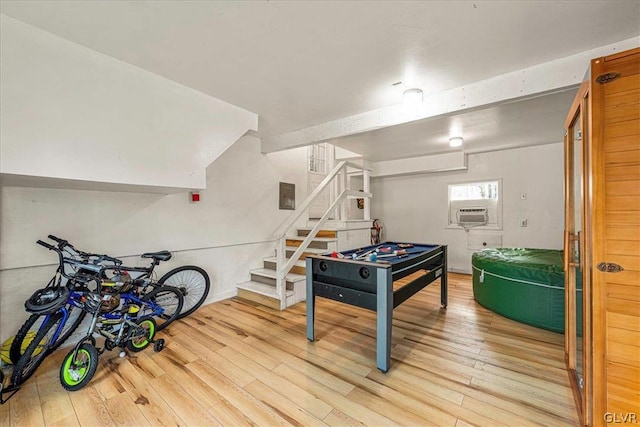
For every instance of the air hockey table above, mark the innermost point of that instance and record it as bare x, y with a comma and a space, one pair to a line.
358, 278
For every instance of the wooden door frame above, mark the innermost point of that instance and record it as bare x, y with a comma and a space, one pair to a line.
580, 105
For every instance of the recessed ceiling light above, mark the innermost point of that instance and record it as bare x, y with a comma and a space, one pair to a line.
455, 141
412, 96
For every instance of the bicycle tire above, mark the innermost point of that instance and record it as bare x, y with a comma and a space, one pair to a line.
76, 316
139, 342
194, 284
28, 329
169, 299
37, 351
84, 367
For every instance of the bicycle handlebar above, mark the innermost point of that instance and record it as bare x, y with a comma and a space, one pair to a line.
93, 267
57, 239
98, 258
46, 245
88, 261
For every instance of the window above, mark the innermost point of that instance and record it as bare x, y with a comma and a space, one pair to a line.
474, 191
474, 195
317, 158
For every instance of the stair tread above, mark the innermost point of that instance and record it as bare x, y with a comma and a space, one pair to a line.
299, 263
291, 277
338, 225
262, 289
317, 239
322, 229
314, 250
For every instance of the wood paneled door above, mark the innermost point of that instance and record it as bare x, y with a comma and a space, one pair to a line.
602, 241
615, 91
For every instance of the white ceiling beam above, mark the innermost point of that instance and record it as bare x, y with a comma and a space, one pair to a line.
456, 160
538, 80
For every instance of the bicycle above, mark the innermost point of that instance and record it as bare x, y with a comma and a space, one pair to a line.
52, 302
131, 325
36, 304
54, 305
192, 282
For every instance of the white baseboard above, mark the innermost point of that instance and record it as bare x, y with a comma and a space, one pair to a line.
221, 296
459, 270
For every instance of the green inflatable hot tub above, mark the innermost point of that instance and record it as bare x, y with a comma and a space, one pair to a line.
526, 285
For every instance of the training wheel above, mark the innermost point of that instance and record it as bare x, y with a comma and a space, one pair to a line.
158, 345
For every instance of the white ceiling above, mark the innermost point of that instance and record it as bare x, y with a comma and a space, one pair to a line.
510, 125
302, 63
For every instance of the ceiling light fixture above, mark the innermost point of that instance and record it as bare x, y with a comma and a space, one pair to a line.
455, 141
412, 96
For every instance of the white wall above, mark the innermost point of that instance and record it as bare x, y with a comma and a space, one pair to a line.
227, 233
414, 208
69, 112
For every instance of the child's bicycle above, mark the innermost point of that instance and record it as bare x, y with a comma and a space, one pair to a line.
131, 325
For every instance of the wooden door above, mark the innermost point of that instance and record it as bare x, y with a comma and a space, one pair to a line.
576, 235
615, 203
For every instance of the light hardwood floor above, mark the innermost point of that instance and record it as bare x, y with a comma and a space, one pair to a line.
233, 363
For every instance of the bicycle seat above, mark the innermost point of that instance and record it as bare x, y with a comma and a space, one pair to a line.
158, 256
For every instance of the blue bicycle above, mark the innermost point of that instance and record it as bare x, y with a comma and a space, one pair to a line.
129, 325
57, 311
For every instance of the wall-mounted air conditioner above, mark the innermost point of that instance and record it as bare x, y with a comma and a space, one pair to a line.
472, 217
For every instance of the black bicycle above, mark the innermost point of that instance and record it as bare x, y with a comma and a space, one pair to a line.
192, 281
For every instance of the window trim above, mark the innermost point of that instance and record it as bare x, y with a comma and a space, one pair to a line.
499, 205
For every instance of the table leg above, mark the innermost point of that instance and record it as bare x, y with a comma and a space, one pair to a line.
384, 318
443, 280
311, 301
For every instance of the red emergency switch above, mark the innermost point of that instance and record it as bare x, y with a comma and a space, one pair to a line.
195, 196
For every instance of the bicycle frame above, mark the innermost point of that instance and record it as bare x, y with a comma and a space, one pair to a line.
118, 317
75, 300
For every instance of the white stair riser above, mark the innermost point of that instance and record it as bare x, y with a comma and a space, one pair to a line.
269, 281
297, 269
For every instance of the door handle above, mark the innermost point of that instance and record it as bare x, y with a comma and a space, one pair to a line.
609, 267
572, 239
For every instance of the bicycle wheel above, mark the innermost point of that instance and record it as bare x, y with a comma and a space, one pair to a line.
36, 351
193, 282
141, 335
25, 335
164, 303
78, 367
31, 326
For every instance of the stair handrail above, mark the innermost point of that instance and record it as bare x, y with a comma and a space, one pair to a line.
282, 267
291, 220
312, 234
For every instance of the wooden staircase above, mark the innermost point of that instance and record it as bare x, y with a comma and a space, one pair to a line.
262, 286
